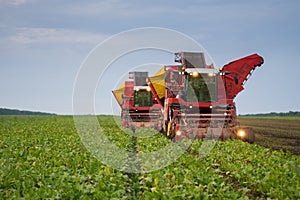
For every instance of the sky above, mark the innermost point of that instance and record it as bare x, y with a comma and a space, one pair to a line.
43, 44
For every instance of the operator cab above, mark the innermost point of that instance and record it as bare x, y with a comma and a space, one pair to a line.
200, 79
201, 85
142, 96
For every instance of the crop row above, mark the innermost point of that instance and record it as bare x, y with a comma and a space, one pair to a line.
43, 157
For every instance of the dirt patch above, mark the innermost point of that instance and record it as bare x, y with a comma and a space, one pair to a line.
278, 133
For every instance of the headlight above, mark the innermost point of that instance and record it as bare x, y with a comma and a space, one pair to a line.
241, 133
178, 132
195, 74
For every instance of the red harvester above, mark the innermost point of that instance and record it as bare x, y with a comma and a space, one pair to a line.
139, 106
193, 99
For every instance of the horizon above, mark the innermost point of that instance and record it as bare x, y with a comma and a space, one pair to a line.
107, 114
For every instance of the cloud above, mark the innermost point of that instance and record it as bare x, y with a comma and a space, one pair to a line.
119, 8
54, 36
14, 2
176, 11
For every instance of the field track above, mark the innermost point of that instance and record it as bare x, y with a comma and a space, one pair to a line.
275, 132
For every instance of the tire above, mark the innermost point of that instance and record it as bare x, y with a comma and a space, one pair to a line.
232, 136
173, 128
250, 134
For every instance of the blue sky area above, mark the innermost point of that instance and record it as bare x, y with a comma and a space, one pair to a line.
44, 42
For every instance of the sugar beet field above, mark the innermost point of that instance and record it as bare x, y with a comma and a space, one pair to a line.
43, 157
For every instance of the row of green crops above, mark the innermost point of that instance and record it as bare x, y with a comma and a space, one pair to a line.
43, 157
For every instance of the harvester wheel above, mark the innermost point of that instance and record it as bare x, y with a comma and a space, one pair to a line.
250, 135
159, 126
232, 136
173, 127
164, 129
132, 128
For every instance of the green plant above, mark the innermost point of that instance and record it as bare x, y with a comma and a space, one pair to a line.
43, 157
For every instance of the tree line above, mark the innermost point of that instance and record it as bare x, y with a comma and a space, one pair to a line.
280, 114
6, 111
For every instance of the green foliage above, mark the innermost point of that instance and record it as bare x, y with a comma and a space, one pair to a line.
43, 157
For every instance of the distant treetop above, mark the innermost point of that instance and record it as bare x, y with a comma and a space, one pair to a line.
281, 114
6, 111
